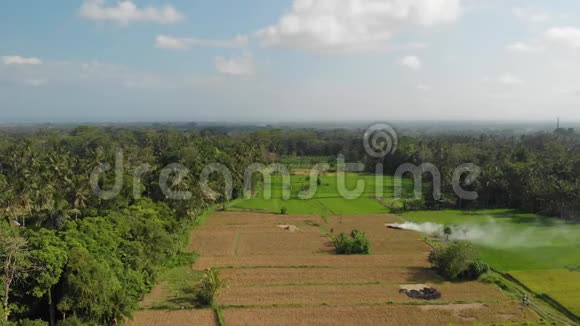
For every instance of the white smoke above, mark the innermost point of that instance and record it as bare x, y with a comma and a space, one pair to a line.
493, 234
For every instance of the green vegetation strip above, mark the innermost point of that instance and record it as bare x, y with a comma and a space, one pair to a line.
219, 315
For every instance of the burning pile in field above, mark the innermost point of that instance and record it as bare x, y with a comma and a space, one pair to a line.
421, 292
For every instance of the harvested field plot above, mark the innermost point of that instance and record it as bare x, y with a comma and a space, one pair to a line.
282, 242
466, 314
205, 317
352, 294
411, 260
282, 270
274, 276
383, 241
213, 243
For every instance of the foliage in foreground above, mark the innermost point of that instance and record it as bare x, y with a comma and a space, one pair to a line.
355, 244
77, 258
209, 287
458, 261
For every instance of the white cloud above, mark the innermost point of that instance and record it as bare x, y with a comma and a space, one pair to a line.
424, 88
509, 79
126, 12
411, 62
531, 15
18, 60
564, 36
175, 43
241, 66
351, 25
522, 47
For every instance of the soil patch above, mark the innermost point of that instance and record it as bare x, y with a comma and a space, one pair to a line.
204, 317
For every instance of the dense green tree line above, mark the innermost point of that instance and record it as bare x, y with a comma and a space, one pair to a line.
536, 172
79, 258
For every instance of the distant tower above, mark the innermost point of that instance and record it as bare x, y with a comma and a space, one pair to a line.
558, 124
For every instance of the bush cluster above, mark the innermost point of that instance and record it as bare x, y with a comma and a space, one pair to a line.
458, 261
355, 244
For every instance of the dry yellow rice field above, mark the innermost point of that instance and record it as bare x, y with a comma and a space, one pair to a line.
291, 276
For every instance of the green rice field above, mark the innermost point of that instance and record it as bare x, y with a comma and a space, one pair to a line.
326, 200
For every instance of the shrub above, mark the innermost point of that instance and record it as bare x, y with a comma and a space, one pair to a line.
476, 269
394, 205
413, 204
283, 210
356, 244
181, 259
209, 287
458, 260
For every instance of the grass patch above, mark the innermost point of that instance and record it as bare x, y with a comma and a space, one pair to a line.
175, 290
327, 199
560, 284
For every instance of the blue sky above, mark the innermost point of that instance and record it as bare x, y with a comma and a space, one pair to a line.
291, 60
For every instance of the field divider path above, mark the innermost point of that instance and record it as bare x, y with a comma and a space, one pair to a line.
236, 243
362, 304
326, 207
355, 293
384, 314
